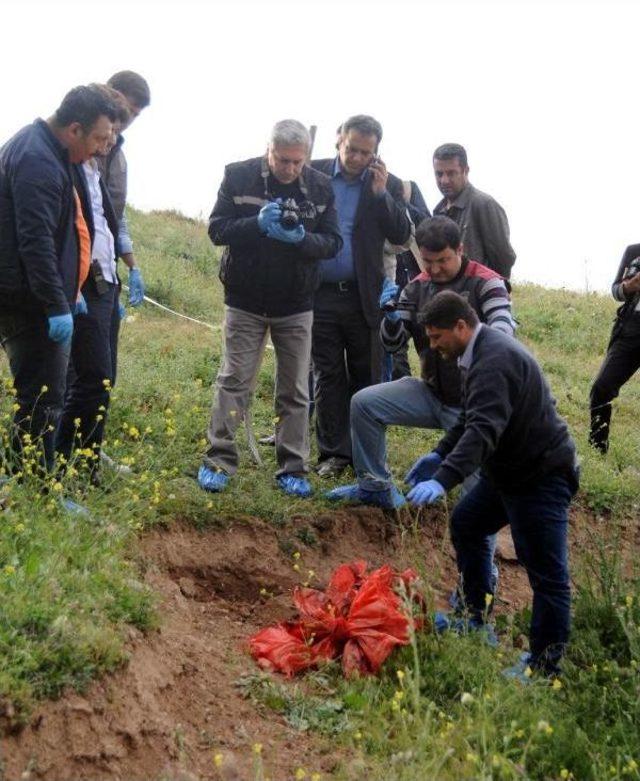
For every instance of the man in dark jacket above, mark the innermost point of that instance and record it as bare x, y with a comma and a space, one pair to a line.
509, 427
94, 346
45, 256
622, 360
483, 222
433, 401
277, 218
347, 355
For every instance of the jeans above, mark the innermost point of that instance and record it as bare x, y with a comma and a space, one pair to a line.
405, 402
94, 352
538, 518
35, 361
245, 339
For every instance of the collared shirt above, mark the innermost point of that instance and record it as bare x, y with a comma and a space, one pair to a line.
347, 193
465, 360
103, 249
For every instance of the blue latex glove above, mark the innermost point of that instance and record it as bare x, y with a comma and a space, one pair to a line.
60, 328
295, 236
389, 293
121, 310
426, 492
136, 287
423, 469
268, 215
81, 306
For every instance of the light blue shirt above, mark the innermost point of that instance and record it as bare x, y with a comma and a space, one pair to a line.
347, 193
464, 361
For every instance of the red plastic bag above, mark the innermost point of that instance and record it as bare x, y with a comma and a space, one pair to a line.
359, 618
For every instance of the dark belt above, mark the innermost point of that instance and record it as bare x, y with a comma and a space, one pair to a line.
344, 286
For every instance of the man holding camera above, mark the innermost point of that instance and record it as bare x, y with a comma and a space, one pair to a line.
623, 354
277, 218
434, 401
347, 355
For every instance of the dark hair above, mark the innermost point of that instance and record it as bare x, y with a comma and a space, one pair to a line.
445, 309
449, 151
438, 233
85, 105
123, 115
133, 86
363, 124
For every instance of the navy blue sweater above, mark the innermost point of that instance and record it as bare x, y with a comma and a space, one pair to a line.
509, 425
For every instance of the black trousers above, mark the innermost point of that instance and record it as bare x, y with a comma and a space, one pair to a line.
94, 352
39, 370
620, 363
347, 356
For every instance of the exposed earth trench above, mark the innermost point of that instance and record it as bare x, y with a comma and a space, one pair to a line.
176, 703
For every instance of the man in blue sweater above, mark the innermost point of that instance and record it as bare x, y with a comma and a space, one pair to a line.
510, 429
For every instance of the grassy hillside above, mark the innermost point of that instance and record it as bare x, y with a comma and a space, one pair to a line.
69, 587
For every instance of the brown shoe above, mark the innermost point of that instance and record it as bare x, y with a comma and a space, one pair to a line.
331, 467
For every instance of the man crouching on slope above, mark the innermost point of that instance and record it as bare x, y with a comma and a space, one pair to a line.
432, 402
510, 429
270, 271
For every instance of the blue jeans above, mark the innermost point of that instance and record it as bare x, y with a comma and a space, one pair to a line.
35, 361
405, 402
538, 520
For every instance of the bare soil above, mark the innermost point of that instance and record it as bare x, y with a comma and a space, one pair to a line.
176, 703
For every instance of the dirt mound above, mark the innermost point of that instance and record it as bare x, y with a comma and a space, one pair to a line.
177, 703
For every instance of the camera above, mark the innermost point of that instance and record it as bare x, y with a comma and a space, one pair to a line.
399, 306
632, 269
292, 213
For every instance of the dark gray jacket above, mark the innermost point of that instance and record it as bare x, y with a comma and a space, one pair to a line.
509, 425
484, 227
113, 172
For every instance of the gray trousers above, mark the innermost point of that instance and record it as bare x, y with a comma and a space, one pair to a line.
245, 337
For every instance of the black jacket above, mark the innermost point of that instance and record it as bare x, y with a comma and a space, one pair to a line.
38, 240
376, 219
262, 275
509, 424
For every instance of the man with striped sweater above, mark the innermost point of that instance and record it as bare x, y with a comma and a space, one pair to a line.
434, 401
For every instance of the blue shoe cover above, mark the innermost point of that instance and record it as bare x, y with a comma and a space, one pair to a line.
389, 499
210, 480
449, 622
295, 486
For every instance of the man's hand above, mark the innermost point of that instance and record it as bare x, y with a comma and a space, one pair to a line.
379, 176
60, 328
426, 492
631, 286
389, 293
136, 287
81, 307
277, 232
423, 469
268, 216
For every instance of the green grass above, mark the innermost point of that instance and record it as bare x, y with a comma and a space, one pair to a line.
69, 587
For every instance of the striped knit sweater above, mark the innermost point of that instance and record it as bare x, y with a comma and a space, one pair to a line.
485, 291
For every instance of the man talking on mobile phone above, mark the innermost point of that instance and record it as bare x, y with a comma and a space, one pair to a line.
346, 350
